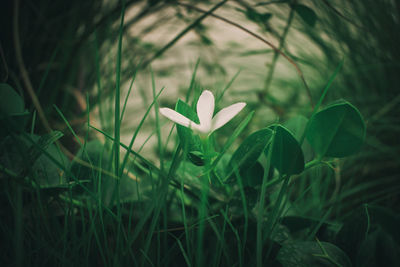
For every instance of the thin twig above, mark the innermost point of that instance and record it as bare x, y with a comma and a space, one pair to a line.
300, 73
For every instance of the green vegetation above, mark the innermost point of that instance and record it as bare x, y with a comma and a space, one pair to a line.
306, 174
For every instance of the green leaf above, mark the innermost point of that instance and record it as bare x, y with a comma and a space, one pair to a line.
13, 116
306, 253
297, 126
10, 102
191, 143
336, 131
287, 156
253, 176
306, 14
249, 151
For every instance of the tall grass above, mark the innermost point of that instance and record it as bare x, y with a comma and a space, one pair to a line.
81, 196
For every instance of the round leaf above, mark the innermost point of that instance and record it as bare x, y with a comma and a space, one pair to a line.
287, 156
336, 131
297, 126
250, 150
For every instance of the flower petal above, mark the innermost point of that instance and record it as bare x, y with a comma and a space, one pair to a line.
225, 115
205, 110
177, 117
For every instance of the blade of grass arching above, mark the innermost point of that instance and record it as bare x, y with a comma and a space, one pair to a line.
239, 245
68, 125
157, 120
232, 138
192, 81
129, 148
127, 95
260, 212
227, 86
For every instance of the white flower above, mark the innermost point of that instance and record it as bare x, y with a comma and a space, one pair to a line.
205, 111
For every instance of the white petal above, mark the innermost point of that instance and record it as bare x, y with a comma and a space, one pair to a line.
177, 118
226, 114
205, 110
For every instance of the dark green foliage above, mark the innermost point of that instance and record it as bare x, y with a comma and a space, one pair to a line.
11, 102
13, 116
370, 236
336, 131
246, 156
287, 156
197, 201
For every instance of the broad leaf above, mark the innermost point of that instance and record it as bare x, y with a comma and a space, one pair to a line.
336, 131
249, 151
297, 126
287, 156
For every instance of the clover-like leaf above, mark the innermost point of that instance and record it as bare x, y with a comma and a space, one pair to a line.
249, 151
287, 156
336, 131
